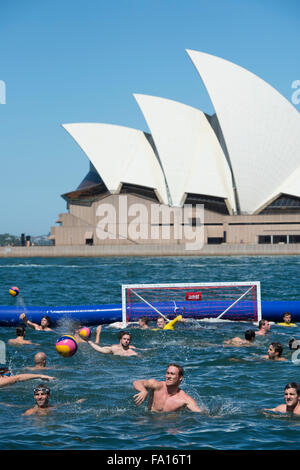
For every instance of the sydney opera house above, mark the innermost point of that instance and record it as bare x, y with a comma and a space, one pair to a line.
241, 164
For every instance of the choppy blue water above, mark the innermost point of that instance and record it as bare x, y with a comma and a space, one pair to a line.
234, 384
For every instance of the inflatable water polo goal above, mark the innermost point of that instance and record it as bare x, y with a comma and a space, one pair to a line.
235, 301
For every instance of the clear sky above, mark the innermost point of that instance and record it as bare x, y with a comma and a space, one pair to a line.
65, 61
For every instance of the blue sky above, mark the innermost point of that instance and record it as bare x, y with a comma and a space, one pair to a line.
81, 61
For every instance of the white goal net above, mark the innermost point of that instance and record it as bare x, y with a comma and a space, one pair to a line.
237, 301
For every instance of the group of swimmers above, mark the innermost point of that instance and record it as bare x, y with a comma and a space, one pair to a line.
164, 396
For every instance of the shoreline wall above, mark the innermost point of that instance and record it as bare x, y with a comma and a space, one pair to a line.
150, 250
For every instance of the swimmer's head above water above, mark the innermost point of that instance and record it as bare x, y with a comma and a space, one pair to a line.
250, 335
41, 395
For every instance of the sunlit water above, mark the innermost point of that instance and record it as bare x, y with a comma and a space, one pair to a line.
233, 384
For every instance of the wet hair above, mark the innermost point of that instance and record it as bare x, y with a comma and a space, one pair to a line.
286, 313
47, 318
261, 323
250, 335
20, 330
180, 369
293, 385
122, 333
145, 320
277, 348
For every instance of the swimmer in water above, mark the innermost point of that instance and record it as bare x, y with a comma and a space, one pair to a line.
143, 323
274, 352
41, 395
44, 326
39, 361
163, 325
286, 320
20, 339
263, 328
248, 341
6, 379
291, 398
122, 349
165, 396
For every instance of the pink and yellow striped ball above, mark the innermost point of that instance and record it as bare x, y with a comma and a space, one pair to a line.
85, 332
66, 346
14, 291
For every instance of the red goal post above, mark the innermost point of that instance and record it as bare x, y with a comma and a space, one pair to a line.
237, 301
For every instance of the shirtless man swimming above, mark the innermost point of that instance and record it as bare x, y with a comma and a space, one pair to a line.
143, 323
122, 349
41, 395
39, 361
263, 328
291, 398
20, 337
274, 352
248, 341
44, 326
165, 396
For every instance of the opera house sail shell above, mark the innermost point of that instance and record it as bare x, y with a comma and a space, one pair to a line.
242, 164
190, 153
261, 129
120, 155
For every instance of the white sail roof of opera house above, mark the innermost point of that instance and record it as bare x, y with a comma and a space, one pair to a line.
189, 151
120, 155
261, 129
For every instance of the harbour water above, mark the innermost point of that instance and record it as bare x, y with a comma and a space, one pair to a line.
233, 384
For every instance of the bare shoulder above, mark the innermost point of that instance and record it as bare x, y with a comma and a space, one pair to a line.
155, 384
31, 411
184, 395
280, 408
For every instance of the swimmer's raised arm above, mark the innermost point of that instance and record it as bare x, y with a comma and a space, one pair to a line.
142, 386
27, 322
98, 333
101, 349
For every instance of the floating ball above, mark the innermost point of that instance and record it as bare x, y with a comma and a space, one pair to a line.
85, 332
14, 291
66, 346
